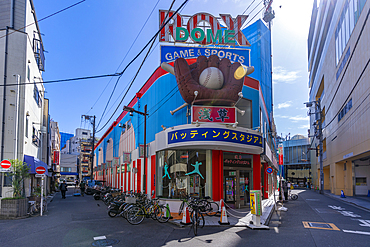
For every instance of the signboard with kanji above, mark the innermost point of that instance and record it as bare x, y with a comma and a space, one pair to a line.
214, 134
213, 114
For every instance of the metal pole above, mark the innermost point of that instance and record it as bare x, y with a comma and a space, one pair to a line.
42, 193
92, 152
144, 175
321, 148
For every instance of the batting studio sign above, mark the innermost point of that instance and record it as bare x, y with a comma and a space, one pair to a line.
171, 53
203, 28
213, 114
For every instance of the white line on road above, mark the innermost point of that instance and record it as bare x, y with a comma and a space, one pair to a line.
358, 232
100, 237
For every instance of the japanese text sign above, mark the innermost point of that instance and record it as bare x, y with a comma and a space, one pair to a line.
214, 135
256, 202
213, 114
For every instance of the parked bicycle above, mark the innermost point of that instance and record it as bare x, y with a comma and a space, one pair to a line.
148, 209
206, 206
34, 207
197, 218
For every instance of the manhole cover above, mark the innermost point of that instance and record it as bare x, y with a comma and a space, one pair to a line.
321, 225
105, 242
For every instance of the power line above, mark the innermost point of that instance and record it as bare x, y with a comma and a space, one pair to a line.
63, 80
137, 36
153, 38
45, 18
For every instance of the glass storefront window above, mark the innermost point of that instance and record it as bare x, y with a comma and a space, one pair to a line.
182, 172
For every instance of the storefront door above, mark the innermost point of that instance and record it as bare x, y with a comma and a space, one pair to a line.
236, 187
243, 194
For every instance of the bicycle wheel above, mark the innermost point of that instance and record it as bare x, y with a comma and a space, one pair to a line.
212, 209
201, 221
164, 214
294, 197
112, 214
31, 210
181, 207
135, 215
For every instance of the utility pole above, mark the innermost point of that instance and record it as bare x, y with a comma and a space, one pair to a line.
92, 121
318, 134
145, 113
318, 106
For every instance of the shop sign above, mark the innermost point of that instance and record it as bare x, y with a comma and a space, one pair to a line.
182, 28
56, 157
256, 202
213, 114
141, 150
171, 53
214, 135
126, 157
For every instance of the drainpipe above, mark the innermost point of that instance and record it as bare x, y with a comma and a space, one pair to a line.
18, 77
4, 93
4, 104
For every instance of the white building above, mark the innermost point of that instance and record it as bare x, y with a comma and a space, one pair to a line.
338, 59
23, 125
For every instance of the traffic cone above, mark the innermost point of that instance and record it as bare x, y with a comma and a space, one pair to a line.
186, 217
342, 194
168, 214
223, 218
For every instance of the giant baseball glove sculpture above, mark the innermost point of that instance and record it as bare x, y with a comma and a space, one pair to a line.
188, 80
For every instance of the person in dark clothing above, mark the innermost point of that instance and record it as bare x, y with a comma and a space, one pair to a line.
82, 188
63, 189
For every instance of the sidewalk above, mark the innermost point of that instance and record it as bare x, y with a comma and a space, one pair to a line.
360, 201
239, 217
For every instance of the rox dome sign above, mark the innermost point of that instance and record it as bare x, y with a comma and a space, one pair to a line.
180, 31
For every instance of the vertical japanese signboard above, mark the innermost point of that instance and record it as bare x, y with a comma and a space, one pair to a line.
256, 202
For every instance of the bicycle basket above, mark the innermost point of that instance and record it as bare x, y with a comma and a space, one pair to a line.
130, 199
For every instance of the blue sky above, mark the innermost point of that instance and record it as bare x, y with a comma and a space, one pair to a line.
94, 38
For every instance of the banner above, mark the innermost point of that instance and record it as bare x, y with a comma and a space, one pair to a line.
171, 53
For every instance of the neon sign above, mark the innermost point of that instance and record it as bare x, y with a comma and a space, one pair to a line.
181, 31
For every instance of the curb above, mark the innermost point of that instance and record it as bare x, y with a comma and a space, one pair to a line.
345, 201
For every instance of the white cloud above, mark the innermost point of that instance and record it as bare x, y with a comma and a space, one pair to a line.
299, 118
284, 105
280, 116
306, 126
281, 75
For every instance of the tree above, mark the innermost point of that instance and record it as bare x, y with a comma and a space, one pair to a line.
20, 171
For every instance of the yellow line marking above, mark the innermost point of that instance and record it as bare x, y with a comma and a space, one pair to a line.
333, 227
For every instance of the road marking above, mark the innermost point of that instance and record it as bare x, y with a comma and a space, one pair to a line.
100, 237
365, 223
358, 232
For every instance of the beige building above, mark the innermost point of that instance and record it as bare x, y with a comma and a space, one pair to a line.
338, 62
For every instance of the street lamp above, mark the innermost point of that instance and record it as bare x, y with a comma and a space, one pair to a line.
318, 117
131, 111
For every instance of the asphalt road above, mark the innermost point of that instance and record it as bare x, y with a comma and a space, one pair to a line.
75, 221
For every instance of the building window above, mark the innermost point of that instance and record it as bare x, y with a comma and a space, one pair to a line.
66, 169
347, 21
8, 180
27, 123
345, 109
84, 133
37, 96
181, 172
28, 73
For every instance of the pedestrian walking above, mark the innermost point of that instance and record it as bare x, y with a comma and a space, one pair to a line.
63, 189
76, 183
82, 187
